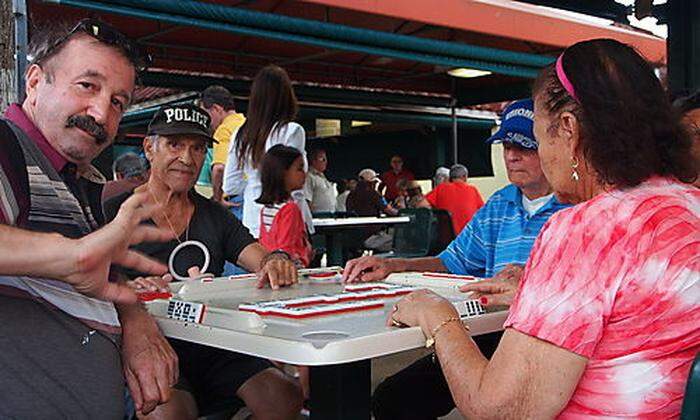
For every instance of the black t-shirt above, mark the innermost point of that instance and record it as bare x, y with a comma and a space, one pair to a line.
212, 224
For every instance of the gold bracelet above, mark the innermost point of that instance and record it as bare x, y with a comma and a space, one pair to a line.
430, 341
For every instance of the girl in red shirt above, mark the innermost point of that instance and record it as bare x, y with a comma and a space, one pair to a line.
281, 224
282, 227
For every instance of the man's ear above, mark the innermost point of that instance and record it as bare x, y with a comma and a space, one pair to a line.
34, 76
218, 108
148, 147
570, 130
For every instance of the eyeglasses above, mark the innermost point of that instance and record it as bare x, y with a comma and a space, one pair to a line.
106, 34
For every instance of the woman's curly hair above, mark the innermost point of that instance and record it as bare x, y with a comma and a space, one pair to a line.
629, 130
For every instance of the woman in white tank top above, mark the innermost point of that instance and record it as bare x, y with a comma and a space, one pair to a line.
269, 121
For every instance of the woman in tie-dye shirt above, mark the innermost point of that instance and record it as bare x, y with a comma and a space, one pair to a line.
605, 323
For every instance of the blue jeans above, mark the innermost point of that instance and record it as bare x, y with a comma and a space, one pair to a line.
231, 269
237, 210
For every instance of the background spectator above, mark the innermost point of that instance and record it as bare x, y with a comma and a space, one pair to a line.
392, 176
318, 190
365, 200
281, 223
442, 174
415, 198
220, 105
400, 202
130, 170
271, 111
347, 186
460, 199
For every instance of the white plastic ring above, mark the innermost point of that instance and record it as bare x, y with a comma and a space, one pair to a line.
171, 259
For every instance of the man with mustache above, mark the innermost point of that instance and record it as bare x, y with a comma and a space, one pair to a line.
211, 379
88, 124
65, 348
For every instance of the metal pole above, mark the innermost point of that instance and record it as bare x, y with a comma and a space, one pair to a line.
683, 43
453, 104
454, 135
19, 13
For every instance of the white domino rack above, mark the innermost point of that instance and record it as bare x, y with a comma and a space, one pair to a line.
431, 280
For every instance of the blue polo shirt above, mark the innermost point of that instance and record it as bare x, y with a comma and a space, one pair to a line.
500, 233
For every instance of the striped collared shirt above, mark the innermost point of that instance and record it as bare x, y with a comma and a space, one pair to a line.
500, 233
67, 203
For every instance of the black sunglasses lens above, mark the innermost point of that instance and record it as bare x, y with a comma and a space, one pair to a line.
111, 36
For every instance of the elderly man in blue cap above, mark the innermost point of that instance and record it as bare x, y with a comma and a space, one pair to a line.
495, 243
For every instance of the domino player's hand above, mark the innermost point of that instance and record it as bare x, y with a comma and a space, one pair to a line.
498, 290
91, 258
367, 268
149, 362
422, 308
277, 272
226, 203
194, 272
151, 283
230, 204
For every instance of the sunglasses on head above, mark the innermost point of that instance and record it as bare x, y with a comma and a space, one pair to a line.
109, 35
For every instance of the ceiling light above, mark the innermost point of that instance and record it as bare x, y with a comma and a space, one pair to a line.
467, 73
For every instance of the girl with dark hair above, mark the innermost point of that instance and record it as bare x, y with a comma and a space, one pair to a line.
604, 323
282, 227
281, 224
269, 121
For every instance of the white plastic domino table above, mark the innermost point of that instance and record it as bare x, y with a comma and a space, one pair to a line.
338, 343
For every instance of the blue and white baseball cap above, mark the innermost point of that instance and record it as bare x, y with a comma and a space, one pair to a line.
516, 125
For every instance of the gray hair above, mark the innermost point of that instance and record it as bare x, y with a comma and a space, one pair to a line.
458, 171
129, 165
153, 138
50, 39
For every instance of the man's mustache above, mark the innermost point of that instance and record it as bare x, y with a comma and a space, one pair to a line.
89, 125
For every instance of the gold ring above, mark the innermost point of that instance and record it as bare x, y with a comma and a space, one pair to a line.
396, 323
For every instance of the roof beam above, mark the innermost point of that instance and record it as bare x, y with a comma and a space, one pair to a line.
325, 35
304, 92
509, 19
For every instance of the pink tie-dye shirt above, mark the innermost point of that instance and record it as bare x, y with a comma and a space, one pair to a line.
616, 279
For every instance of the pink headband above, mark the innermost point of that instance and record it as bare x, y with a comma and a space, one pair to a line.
563, 79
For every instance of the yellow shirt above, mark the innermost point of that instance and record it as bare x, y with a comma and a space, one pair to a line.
223, 134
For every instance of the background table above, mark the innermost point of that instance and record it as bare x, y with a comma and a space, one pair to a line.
332, 229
